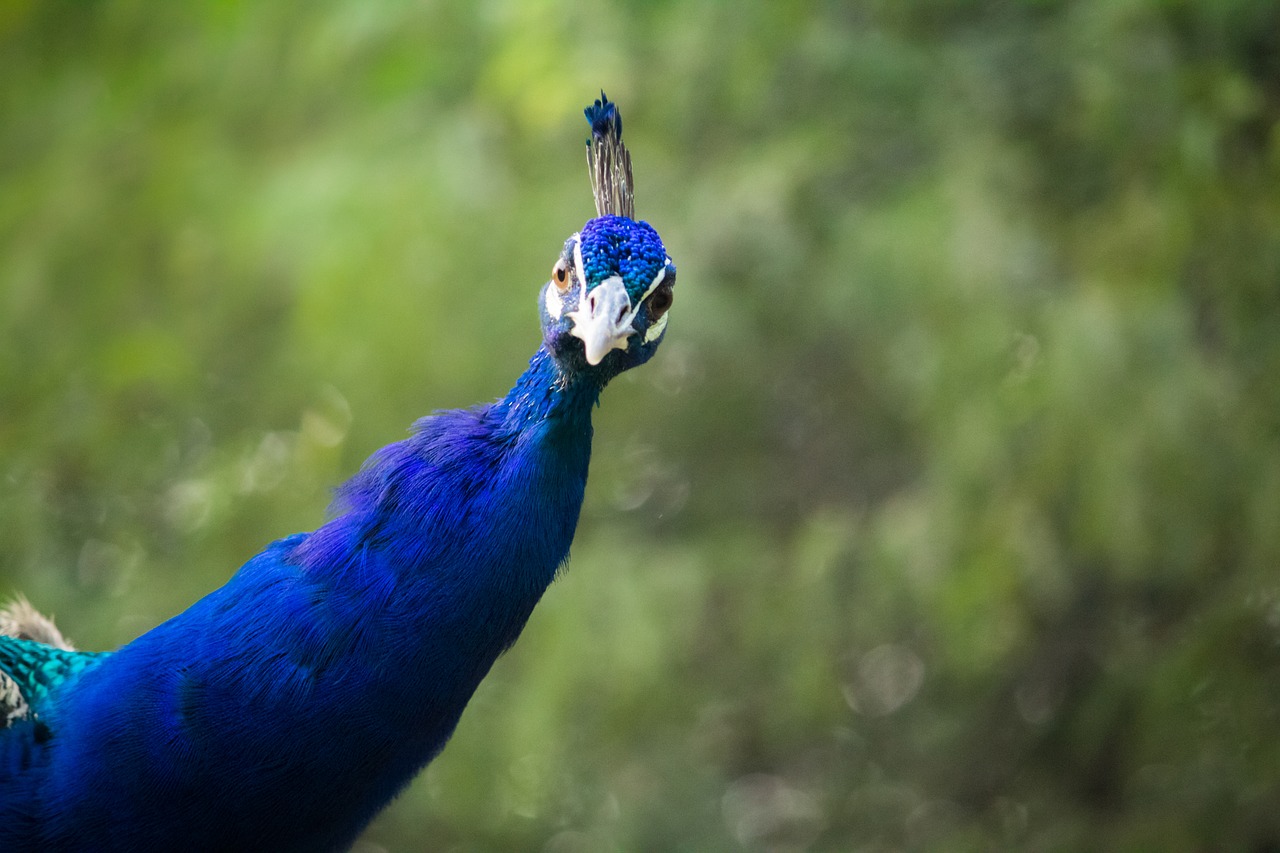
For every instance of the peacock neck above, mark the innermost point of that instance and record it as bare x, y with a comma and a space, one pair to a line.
546, 395
471, 473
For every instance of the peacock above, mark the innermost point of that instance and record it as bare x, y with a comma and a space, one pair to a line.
285, 709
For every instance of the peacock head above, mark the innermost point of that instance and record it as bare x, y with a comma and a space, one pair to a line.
605, 308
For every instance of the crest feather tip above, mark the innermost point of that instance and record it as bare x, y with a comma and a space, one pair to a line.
612, 183
604, 118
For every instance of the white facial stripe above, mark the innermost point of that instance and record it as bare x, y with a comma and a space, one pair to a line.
577, 263
555, 305
657, 280
661, 323
656, 329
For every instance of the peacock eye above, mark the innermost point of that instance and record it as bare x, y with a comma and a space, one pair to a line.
660, 302
560, 275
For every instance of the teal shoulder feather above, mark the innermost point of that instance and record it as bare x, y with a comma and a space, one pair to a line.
34, 660
30, 671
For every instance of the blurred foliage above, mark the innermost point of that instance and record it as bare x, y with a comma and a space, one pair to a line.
947, 518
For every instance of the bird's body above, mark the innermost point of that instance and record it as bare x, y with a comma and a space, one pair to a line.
285, 709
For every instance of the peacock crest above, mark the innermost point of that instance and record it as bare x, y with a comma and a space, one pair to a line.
612, 183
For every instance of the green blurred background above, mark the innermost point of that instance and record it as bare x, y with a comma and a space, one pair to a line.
948, 516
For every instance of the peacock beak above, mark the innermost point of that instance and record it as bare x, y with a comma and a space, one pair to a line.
603, 319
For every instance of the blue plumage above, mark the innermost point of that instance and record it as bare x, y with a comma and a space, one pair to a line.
633, 249
285, 709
